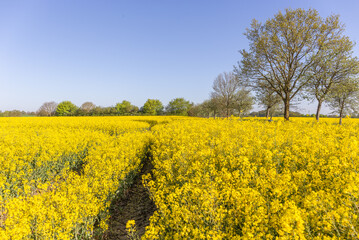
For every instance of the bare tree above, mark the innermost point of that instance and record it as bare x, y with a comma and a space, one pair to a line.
47, 109
225, 88
283, 49
86, 107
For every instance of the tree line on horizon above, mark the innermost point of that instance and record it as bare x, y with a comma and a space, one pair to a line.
293, 56
177, 106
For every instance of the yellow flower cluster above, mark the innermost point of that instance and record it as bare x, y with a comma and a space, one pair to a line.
58, 175
254, 179
212, 179
131, 230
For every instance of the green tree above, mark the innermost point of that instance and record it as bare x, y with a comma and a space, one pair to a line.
134, 110
66, 108
96, 111
211, 106
152, 107
334, 64
283, 49
109, 111
126, 108
197, 110
268, 98
344, 97
13, 113
243, 102
178, 106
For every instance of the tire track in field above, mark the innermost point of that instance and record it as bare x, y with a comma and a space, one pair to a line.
134, 204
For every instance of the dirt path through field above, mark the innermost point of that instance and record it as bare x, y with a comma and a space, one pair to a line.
135, 204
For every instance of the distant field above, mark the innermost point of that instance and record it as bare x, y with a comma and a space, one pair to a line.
211, 179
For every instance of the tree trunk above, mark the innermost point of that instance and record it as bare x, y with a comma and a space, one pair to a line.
286, 109
340, 115
318, 110
267, 113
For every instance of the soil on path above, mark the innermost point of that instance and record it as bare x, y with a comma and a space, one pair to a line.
135, 204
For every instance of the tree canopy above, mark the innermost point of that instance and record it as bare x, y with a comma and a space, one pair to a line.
178, 106
284, 48
343, 99
126, 108
66, 108
152, 107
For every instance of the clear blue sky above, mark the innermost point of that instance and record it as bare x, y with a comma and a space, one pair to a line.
108, 51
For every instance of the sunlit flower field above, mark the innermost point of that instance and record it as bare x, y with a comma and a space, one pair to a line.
254, 179
212, 179
58, 175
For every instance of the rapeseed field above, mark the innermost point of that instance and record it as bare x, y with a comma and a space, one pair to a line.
212, 179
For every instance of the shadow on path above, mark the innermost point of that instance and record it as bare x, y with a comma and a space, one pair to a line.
134, 204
